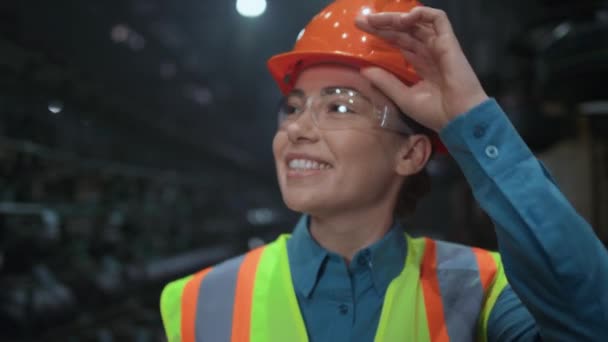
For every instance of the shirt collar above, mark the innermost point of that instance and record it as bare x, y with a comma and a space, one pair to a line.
385, 258
306, 257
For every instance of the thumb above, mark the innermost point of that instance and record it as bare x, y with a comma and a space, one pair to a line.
390, 85
413, 101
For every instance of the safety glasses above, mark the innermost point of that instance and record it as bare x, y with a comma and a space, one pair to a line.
339, 108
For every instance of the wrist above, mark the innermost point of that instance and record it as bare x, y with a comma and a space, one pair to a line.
465, 104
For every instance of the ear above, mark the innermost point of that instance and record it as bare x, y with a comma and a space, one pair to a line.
413, 154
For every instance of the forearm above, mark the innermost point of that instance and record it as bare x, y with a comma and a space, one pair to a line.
551, 256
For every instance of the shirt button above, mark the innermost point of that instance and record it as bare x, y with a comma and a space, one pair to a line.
363, 259
479, 130
492, 151
343, 308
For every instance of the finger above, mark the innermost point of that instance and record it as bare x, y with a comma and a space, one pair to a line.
368, 24
419, 62
390, 21
423, 65
390, 85
423, 32
414, 49
404, 20
437, 18
384, 19
362, 23
402, 40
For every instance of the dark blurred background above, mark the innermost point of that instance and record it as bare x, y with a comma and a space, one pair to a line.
135, 143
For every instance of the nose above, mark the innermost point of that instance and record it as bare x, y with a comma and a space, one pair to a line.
303, 128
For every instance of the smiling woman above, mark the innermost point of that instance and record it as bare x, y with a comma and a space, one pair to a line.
348, 161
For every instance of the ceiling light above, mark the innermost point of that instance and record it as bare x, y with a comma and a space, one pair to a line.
251, 8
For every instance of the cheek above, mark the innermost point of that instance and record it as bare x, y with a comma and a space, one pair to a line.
278, 144
362, 153
363, 164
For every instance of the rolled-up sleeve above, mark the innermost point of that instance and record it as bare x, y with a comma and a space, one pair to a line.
554, 262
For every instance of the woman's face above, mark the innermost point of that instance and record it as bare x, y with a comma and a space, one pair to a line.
331, 171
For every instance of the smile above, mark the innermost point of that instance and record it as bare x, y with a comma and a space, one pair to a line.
306, 164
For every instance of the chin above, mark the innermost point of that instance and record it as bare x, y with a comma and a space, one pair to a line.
303, 204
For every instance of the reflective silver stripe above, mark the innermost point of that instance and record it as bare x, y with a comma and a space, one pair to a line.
216, 302
461, 290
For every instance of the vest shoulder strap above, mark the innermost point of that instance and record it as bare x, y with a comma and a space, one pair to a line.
177, 308
222, 292
460, 286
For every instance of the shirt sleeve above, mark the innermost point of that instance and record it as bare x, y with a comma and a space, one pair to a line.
510, 320
553, 260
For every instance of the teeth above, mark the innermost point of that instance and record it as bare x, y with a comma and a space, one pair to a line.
305, 164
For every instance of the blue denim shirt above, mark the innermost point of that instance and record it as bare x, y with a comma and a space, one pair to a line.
556, 266
341, 302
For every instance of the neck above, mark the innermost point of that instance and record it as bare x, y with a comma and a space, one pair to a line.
347, 233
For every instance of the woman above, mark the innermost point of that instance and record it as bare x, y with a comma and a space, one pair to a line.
349, 161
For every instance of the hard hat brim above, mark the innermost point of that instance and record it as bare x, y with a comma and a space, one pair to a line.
285, 67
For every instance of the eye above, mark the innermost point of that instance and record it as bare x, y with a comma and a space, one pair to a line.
291, 106
340, 108
289, 109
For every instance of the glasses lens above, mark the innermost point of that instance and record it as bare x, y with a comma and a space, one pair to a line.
289, 109
342, 108
346, 108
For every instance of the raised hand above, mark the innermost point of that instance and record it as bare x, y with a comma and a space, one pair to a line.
449, 86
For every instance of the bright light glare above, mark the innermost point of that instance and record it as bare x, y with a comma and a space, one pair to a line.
251, 8
55, 107
260, 216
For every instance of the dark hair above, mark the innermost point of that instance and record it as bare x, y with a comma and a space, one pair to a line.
415, 186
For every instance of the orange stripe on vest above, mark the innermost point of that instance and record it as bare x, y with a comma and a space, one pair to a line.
432, 294
487, 267
189, 304
241, 319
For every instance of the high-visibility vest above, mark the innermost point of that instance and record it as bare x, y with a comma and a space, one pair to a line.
445, 292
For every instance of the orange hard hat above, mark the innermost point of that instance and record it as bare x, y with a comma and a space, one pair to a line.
331, 36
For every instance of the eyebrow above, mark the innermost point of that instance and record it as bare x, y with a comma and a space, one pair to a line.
298, 92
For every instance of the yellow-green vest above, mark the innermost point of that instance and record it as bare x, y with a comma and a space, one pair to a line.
445, 292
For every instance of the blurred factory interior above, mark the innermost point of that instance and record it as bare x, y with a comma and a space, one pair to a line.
135, 143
